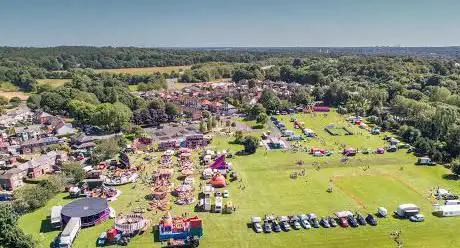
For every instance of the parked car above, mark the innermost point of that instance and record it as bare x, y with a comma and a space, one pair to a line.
313, 220
351, 219
284, 222
267, 227
294, 221
332, 222
226, 194
361, 220
417, 218
303, 219
324, 222
256, 224
382, 212
371, 220
276, 226
343, 222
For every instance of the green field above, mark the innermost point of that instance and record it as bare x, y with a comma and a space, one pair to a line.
53, 82
145, 70
363, 184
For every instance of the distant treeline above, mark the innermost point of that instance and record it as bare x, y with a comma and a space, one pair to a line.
67, 57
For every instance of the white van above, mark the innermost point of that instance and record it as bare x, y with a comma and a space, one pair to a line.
218, 206
452, 202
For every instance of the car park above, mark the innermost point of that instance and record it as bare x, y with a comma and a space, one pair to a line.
332, 222
267, 227
343, 222
371, 220
324, 222
353, 222
284, 222
303, 219
417, 218
382, 212
276, 226
360, 219
313, 220
294, 221
256, 224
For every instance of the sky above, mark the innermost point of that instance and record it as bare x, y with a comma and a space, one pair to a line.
230, 23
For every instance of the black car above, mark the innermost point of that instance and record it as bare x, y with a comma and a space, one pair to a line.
352, 221
267, 227
371, 220
332, 222
361, 220
324, 222
276, 227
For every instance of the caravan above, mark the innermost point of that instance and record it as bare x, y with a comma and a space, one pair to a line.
56, 217
407, 210
447, 210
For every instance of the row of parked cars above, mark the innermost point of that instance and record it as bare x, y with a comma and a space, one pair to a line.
307, 221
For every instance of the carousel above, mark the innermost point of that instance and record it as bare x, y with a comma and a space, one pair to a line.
120, 177
132, 223
108, 193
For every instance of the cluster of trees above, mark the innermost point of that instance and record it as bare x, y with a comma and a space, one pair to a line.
154, 112
250, 143
11, 234
107, 149
210, 122
207, 72
67, 57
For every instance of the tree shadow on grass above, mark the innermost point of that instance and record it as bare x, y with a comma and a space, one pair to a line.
451, 177
45, 226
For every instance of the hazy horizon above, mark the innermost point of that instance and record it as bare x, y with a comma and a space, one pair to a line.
223, 24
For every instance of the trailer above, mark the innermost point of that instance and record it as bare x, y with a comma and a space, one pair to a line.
218, 205
407, 210
447, 210
70, 232
56, 217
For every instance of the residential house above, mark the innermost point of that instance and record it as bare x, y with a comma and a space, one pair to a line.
42, 118
38, 145
168, 144
196, 140
13, 178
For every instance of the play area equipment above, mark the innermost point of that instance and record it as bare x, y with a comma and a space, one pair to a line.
132, 223
180, 228
91, 211
219, 164
218, 181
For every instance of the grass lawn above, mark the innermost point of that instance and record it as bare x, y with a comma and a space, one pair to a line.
318, 121
53, 82
10, 94
364, 183
145, 70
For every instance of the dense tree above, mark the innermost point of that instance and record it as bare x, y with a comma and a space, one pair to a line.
74, 171
105, 149
3, 100
250, 144
270, 100
11, 234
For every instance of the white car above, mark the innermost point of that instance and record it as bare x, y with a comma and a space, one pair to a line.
226, 194
417, 218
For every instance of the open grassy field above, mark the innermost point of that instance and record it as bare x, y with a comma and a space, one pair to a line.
363, 184
10, 94
145, 70
53, 82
